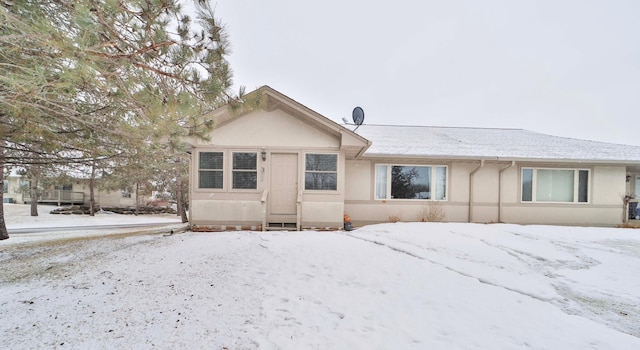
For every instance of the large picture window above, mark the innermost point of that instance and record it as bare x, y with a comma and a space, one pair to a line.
555, 185
321, 172
210, 173
411, 182
245, 174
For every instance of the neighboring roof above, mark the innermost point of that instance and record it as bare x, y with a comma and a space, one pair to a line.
485, 143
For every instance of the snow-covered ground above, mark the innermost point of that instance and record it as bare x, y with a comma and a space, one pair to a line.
18, 216
388, 286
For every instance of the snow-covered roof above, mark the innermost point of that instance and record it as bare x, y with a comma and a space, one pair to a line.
485, 143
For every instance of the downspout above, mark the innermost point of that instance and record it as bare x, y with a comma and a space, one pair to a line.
513, 163
473, 172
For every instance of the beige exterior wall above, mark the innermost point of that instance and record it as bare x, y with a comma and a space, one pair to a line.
103, 198
494, 197
605, 206
363, 208
269, 129
272, 132
112, 199
476, 191
13, 192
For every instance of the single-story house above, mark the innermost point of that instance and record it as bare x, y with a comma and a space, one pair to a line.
75, 190
284, 166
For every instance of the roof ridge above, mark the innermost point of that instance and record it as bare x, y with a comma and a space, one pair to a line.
441, 127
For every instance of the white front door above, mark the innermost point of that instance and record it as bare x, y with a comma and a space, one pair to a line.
284, 183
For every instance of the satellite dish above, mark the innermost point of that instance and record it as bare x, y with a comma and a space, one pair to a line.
358, 116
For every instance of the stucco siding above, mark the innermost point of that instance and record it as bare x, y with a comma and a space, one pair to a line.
494, 199
359, 180
208, 212
361, 206
14, 192
563, 215
485, 184
112, 199
606, 188
459, 181
609, 185
483, 167
510, 188
271, 129
322, 214
277, 134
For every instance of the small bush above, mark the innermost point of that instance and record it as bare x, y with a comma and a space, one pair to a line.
394, 218
432, 212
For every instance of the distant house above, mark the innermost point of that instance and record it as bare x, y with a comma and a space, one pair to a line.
285, 166
72, 191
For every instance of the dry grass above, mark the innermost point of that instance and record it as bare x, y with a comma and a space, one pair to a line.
628, 225
394, 218
432, 212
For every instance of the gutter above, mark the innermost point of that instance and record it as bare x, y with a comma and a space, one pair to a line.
513, 163
364, 149
471, 174
507, 159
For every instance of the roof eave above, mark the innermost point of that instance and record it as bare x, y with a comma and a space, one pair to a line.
502, 159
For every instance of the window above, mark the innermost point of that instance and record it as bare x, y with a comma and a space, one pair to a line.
245, 174
321, 172
411, 182
25, 186
5, 186
125, 193
555, 185
210, 170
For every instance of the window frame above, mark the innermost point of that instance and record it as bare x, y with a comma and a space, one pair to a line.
222, 170
433, 185
232, 171
336, 172
576, 186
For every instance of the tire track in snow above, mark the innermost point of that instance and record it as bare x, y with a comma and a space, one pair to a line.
449, 268
616, 312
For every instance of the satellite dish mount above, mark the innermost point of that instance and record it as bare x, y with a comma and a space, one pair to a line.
358, 117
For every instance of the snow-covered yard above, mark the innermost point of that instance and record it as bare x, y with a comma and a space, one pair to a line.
388, 286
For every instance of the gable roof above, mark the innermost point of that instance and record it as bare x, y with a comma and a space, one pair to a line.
270, 99
490, 144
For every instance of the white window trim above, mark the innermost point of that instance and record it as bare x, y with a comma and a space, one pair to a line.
224, 171
304, 173
229, 165
576, 185
433, 182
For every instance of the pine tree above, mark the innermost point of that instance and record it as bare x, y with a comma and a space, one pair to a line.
87, 81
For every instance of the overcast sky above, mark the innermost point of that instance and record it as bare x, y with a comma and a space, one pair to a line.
565, 67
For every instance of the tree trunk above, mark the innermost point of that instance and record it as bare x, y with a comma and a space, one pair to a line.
4, 234
179, 196
137, 197
92, 200
33, 190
